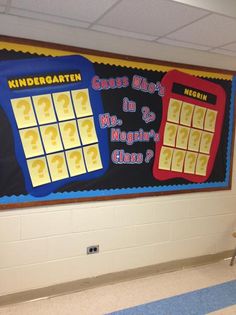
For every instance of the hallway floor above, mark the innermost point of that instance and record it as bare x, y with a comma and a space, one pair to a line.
123, 295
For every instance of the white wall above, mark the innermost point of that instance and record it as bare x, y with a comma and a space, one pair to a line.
44, 246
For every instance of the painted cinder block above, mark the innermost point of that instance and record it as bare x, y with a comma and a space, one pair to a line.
45, 224
9, 228
23, 252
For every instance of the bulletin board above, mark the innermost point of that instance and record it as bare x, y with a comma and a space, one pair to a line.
79, 125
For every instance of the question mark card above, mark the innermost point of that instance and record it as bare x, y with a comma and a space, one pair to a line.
170, 134
87, 130
174, 110
165, 158
57, 166
51, 138
206, 141
210, 120
92, 157
198, 117
81, 102
178, 160
194, 140
23, 111
44, 109
182, 137
186, 114
69, 133
75, 162
31, 142
190, 162
63, 105
202, 162
38, 171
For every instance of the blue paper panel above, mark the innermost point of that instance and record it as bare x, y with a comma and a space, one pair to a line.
53, 112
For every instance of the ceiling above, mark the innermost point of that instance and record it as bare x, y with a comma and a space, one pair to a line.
206, 25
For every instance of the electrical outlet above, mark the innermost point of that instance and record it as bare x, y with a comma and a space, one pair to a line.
94, 249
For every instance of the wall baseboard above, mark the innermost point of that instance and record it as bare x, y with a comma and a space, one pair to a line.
111, 278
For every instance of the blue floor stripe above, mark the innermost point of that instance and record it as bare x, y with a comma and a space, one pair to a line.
199, 302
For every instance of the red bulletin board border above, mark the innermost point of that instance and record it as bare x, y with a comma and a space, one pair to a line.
209, 86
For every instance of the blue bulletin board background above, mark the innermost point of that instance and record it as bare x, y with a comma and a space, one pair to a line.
126, 100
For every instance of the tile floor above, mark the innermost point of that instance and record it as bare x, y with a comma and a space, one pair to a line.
109, 298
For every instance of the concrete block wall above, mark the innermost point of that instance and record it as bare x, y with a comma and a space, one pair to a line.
40, 247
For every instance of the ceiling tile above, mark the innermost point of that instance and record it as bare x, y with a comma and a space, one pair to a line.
2, 5
152, 17
177, 43
84, 10
48, 18
226, 7
213, 30
231, 46
224, 52
118, 32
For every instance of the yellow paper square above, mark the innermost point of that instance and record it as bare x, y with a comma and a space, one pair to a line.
51, 138
190, 162
194, 140
63, 105
178, 160
210, 120
69, 133
23, 111
165, 158
174, 110
198, 117
75, 162
186, 114
44, 108
38, 171
81, 102
92, 157
87, 130
170, 134
57, 166
202, 162
31, 142
206, 141
182, 137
